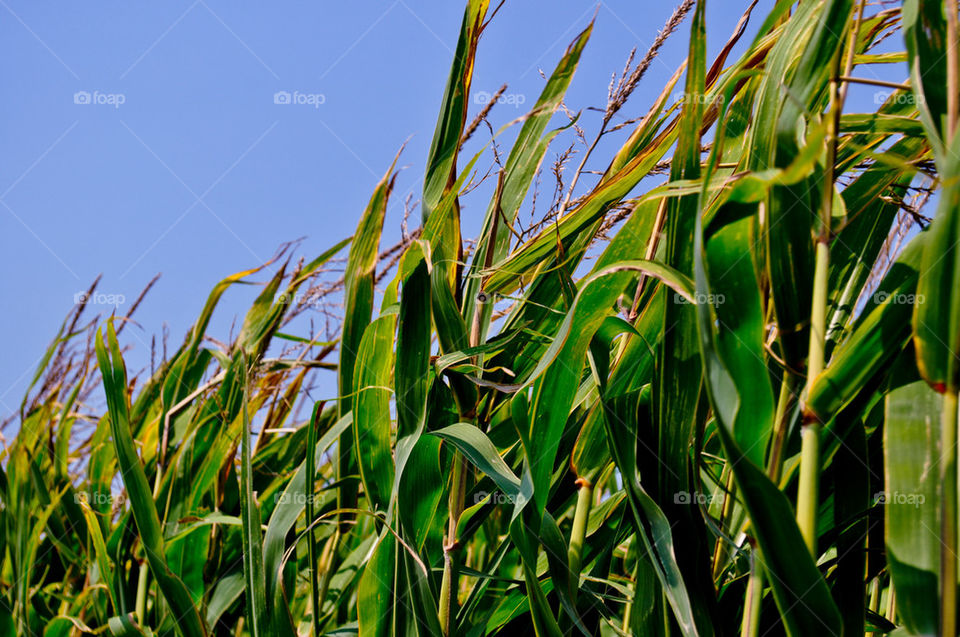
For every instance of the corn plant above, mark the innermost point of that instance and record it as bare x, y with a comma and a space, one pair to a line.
723, 401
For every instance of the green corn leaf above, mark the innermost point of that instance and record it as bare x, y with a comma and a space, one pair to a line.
799, 589
935, 320
358, 308
309, 510
911, 441
740, 341
258, 615
376, 606
442, 161
925, 32
100, 553
262, 318
371, 410
653, 527
312, 267
418, 484
124, 626
563, 361
478, 449
114, 376
225, 594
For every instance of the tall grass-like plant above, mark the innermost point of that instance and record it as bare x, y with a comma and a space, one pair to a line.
712, 390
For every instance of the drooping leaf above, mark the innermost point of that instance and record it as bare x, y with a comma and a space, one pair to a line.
113, 372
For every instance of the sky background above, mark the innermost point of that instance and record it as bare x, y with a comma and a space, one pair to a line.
144, 138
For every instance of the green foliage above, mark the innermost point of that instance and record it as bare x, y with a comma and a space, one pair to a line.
591, 425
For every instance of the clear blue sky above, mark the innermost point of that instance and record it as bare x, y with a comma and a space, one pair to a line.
198, 173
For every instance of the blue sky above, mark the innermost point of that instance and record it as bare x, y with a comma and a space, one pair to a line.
144, 138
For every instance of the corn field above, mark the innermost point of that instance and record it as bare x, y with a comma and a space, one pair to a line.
711, 390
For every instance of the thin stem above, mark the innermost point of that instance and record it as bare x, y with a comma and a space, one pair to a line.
628, 607
651, 250
450, 585
754, 597
891, 613
311, 467
780, 425
948, 520
445, 614
845, 79
867, 81
451, 550
809, 489
326, 564
579, 531
953, 71
141, 603
164, 438
652, 244
721, 549
818, 315
949, 420
579, 171
578, 534
874, 603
